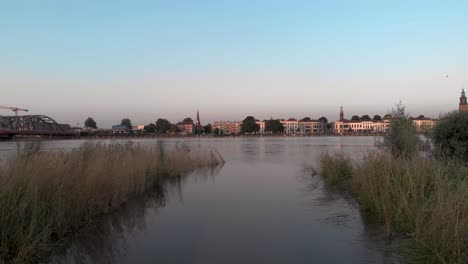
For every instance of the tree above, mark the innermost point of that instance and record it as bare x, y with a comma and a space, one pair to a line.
366, 118
323, 120
377, 118
126, 122
207, 129
188, 120
174, 129
162, 125
217, 131
249, 125
274, 126
150, 128
306, 119
90, 123
450, 136
401, 138
355, 118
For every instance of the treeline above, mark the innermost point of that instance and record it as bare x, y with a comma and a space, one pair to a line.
161, 126
420, 196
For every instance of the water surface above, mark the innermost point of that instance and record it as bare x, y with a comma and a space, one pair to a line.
262, 206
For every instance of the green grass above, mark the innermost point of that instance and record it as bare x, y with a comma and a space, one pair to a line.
48, 195
424, 199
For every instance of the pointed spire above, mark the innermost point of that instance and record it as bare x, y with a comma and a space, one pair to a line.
463, 99
341, 114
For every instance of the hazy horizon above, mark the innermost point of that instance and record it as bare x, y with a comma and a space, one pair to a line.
112, 60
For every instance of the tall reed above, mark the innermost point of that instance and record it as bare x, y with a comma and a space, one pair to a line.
47, 195
424, 199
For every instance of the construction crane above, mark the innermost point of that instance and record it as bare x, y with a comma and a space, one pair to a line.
14, 109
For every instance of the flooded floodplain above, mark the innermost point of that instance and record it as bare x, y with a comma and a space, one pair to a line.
262, 206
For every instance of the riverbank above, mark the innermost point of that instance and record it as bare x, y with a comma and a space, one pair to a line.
48, 195
130, 137
423, 199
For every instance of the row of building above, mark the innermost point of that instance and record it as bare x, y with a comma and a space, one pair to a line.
307, 126
291, 126
342, 126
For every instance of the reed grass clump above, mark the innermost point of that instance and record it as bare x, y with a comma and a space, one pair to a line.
424, 199
47, 195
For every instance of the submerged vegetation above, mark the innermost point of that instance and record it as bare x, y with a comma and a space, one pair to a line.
424, 199
47, 195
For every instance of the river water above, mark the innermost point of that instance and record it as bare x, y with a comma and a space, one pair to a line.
262, 206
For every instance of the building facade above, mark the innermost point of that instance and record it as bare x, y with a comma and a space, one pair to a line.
120, 129
186, 127
311, 127
291, 126
422, 123
228, 127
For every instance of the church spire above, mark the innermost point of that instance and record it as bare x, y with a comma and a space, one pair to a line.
463, 106
463, 100
198, 118
341, 114
198, 126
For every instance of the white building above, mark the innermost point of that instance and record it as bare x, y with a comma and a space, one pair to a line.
291, 126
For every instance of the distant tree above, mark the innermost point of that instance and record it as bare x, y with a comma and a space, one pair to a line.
207, 129
306, 119
188, 119
366, 118
421, 117
90, 123
150, 128
274, 126
249, 125
355, 118
174, 129
401, 138
217, 131
323, 120
377, 118
163, 125
126, 122
388, 116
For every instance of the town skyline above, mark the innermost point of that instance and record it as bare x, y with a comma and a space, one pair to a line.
230, 59
210, 118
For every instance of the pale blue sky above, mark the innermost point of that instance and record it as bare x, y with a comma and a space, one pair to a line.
149, 59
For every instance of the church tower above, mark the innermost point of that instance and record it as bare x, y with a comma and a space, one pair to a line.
198, 126
342, 113
463, 106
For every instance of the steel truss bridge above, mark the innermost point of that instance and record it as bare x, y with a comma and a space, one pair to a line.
31, 125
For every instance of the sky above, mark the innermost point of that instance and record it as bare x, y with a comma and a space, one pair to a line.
112, 59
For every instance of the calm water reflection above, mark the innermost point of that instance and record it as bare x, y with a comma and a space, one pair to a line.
261, 207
